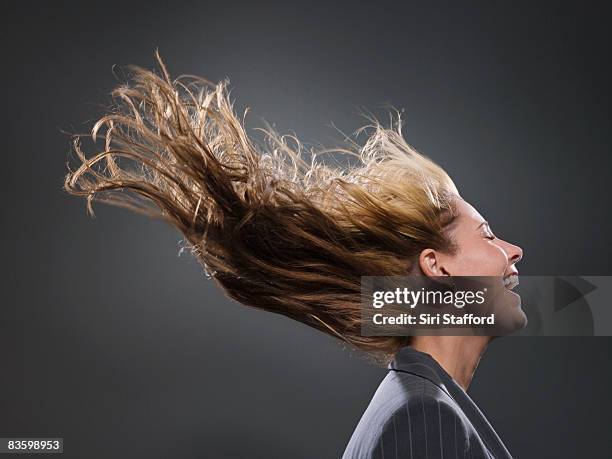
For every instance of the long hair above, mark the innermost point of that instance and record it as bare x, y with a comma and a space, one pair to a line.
276, 230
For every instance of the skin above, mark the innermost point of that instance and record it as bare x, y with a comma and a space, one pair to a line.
480, 253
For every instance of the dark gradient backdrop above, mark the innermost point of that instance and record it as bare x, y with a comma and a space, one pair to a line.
112, 341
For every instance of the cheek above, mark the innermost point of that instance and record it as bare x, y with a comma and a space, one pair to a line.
480, 259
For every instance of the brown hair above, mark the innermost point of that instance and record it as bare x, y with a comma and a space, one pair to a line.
275, 230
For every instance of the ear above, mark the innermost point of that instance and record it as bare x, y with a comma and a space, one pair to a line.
431, 263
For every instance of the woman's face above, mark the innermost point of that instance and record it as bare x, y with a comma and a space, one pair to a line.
481, 259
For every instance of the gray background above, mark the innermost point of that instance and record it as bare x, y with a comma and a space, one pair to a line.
110, 340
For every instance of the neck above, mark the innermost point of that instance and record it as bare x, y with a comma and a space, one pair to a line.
458, 355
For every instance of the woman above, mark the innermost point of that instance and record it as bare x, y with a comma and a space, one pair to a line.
294, 236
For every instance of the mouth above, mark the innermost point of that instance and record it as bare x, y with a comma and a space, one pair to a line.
511, 280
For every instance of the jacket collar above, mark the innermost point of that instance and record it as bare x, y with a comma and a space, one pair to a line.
409, 360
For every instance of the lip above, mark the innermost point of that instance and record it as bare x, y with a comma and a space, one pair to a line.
511, 272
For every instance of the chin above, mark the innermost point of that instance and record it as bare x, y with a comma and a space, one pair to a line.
519, 320
512, 316
506, 305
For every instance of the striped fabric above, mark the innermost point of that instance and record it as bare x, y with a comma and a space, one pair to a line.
420, 412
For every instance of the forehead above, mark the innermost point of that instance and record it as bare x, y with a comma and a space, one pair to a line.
467, 212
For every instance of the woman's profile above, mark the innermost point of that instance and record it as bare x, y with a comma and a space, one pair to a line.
293, 235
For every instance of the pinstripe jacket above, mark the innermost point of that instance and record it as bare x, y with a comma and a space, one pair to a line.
419, 411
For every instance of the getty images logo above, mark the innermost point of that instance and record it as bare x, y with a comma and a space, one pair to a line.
411, 298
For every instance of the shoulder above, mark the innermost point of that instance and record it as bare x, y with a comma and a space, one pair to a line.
409, 415
400, 391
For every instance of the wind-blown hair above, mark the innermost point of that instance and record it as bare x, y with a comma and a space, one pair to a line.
275, 230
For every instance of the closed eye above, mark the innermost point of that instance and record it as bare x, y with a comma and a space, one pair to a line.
487, 233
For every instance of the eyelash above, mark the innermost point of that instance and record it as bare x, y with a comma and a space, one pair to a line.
489, 234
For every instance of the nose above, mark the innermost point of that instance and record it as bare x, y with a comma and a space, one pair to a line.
514, 252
